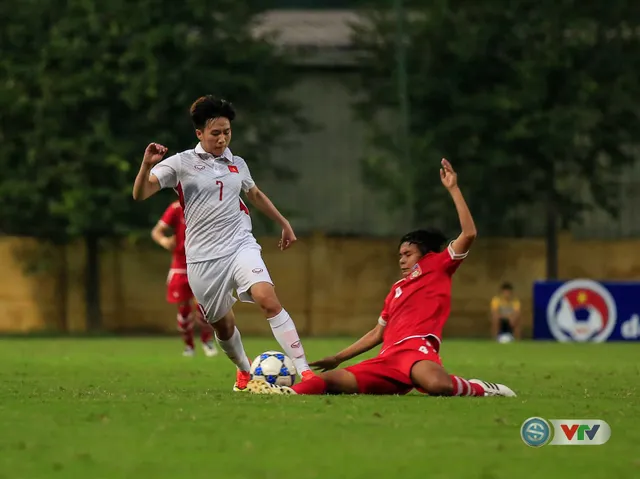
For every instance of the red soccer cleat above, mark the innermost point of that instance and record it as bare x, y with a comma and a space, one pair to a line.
242, 379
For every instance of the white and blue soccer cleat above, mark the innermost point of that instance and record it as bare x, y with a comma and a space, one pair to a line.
494, 389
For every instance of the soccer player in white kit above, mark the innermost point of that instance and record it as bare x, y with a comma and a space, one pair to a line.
222, 253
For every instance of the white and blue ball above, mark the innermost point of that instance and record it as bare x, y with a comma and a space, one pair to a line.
274, 367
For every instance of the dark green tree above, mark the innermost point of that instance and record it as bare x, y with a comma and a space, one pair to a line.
535, 102
86, 85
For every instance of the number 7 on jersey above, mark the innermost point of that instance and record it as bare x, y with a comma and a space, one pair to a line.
221, 184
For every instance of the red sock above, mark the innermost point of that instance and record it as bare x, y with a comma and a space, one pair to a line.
185, 324
206, 331
462, 387
315, 385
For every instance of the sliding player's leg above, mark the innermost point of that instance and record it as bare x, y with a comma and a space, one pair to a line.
432, 379
425, 369
338, 381
254, 284
367, 377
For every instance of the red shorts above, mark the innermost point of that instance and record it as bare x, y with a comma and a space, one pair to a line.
390, 372
178, 289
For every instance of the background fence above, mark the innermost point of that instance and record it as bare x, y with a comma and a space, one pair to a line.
331, 286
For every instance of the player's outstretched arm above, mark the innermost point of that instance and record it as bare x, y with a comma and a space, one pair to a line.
362, 345
262, 202
147, 184
450, 181
161, 235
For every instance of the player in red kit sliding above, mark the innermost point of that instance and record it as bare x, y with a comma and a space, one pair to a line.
169, 233
410, 325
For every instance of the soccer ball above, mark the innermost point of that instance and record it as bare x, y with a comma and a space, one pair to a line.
274, 367
505, 338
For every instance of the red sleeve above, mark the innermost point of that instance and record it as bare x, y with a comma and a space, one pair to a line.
171, 216
449, 260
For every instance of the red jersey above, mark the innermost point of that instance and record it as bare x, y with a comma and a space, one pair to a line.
419, 304
174, 218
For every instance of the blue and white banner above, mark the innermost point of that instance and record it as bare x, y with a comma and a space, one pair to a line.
584, 310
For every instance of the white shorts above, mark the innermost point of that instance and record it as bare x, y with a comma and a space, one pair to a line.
213, 281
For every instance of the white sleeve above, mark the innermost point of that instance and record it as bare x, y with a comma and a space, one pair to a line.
247, 181
381, 321
168, 172
454, 255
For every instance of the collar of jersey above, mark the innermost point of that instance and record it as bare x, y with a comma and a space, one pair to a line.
226, 155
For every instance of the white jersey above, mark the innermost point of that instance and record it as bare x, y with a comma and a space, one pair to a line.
209, 188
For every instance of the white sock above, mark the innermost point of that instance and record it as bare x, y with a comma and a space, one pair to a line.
234, 350
286, 334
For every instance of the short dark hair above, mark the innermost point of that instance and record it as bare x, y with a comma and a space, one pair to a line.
209, 107
506, 285
427, 240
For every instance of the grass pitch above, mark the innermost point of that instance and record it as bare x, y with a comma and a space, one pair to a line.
134, 408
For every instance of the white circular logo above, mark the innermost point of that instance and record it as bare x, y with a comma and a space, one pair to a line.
535, 432
581, 310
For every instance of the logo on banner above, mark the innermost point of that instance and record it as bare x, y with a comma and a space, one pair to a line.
537, 432
581, 310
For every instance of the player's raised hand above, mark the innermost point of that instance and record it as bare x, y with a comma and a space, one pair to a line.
154, 153
325, 364
287, 239
448, 177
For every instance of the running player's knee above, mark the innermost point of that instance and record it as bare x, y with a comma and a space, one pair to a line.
265, 297
224, 327
271, 308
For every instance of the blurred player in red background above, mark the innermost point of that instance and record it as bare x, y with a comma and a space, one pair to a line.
169, 233
410, 325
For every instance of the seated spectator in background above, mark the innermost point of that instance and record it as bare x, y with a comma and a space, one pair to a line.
505, 315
